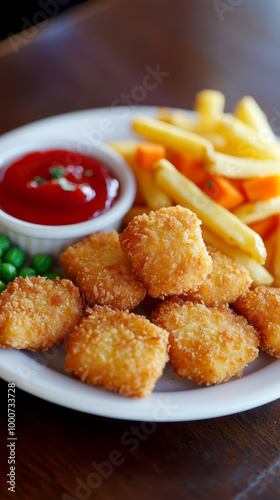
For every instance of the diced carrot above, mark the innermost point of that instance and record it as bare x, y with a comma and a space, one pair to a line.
238, 184
265, 227
223, 192
218, 188
189, 167
147, 153
262, 188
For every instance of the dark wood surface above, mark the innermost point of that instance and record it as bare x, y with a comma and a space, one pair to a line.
93, 56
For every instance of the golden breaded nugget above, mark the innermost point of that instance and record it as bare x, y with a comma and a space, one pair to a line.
37, 313
96, 264
226, 282
207, 345
261, 308
117, 350
166, 251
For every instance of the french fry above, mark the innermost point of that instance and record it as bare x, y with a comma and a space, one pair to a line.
240, 168
239, 138
173, 137
258, 273
209, 104
249, 112
219, 142
216, 218
180, 119
153, 195
126, 147
250, 143
164, 114
258, 210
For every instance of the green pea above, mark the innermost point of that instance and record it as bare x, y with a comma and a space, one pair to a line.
4, 243
8, 272
27, 271
14, 256
2, 286
52, 276
42, 264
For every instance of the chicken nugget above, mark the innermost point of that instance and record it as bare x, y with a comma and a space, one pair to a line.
226, 282
207, 345
117, 350
97, 265
167, 251
261, 308
37, 313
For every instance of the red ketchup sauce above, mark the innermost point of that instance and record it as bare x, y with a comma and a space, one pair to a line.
57, 187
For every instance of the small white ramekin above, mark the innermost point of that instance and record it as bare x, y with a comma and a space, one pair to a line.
52, 240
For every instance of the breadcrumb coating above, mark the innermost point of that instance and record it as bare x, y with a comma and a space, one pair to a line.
207, 345
97, 265
117, 350
227, 281
167, 251
261, 308
37, 314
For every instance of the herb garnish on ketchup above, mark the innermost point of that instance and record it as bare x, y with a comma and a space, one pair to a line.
57, 187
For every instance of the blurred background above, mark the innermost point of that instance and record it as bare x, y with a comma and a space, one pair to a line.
22, 15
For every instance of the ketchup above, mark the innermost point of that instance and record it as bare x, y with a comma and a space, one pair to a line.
57, 187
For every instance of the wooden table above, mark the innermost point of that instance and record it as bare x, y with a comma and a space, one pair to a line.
97, 55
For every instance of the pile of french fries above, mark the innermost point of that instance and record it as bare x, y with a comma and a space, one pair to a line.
240, 145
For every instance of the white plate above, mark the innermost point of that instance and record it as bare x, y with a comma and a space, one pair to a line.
42, 374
